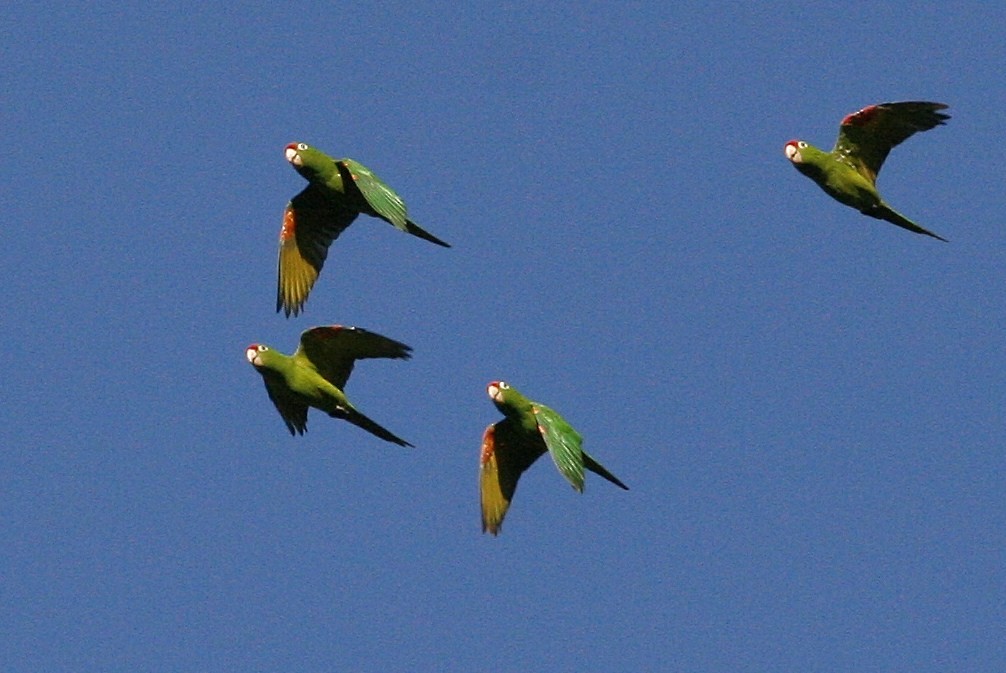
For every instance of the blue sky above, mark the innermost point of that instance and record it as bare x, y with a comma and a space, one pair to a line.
807, 404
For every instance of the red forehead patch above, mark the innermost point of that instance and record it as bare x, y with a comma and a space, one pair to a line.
861, 118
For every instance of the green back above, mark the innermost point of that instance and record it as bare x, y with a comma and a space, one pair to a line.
538, 421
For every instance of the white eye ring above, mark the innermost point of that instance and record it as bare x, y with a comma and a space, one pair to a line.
801, 144
262, 348
504, 385
301, 146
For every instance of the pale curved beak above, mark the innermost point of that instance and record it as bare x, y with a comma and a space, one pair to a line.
292, 156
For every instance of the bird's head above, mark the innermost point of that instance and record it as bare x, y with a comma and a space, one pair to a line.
794, 151
254, 354
497, 390
308, 161
506, 398
294, 153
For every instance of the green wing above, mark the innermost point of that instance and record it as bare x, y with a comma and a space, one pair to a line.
292, 410
311, 222
867, 136
381, 199
384, 202
333, 349
563, 443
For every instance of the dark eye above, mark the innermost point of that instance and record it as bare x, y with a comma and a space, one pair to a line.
504, 385
262, 348
801, 144
301, 146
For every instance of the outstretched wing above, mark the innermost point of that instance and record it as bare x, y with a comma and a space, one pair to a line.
293, 411
504, 457
378, 195
311, 222
381, 199
867, 136
333, 349
563, 443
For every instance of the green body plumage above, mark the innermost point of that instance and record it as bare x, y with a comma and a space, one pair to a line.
338, 190
849, 172
316, 374
512, 445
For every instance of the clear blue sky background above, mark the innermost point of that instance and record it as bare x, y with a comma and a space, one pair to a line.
806, 403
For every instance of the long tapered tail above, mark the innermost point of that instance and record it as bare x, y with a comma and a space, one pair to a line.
416, 230
597, 468
361, 421
888, 214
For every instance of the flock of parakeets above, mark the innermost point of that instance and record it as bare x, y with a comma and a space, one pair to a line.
340, 189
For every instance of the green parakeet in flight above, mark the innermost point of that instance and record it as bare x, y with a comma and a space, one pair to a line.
315, 375
849, 172
338, 190
511, 445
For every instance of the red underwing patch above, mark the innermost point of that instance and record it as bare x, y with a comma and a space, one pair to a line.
488, 445
289, 224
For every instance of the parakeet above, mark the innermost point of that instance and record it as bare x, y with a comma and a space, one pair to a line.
315, 375
511, 445
849, 172
338, 190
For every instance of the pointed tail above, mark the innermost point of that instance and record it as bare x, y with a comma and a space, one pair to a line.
598, 469
888, 214
416, 230
361, 421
